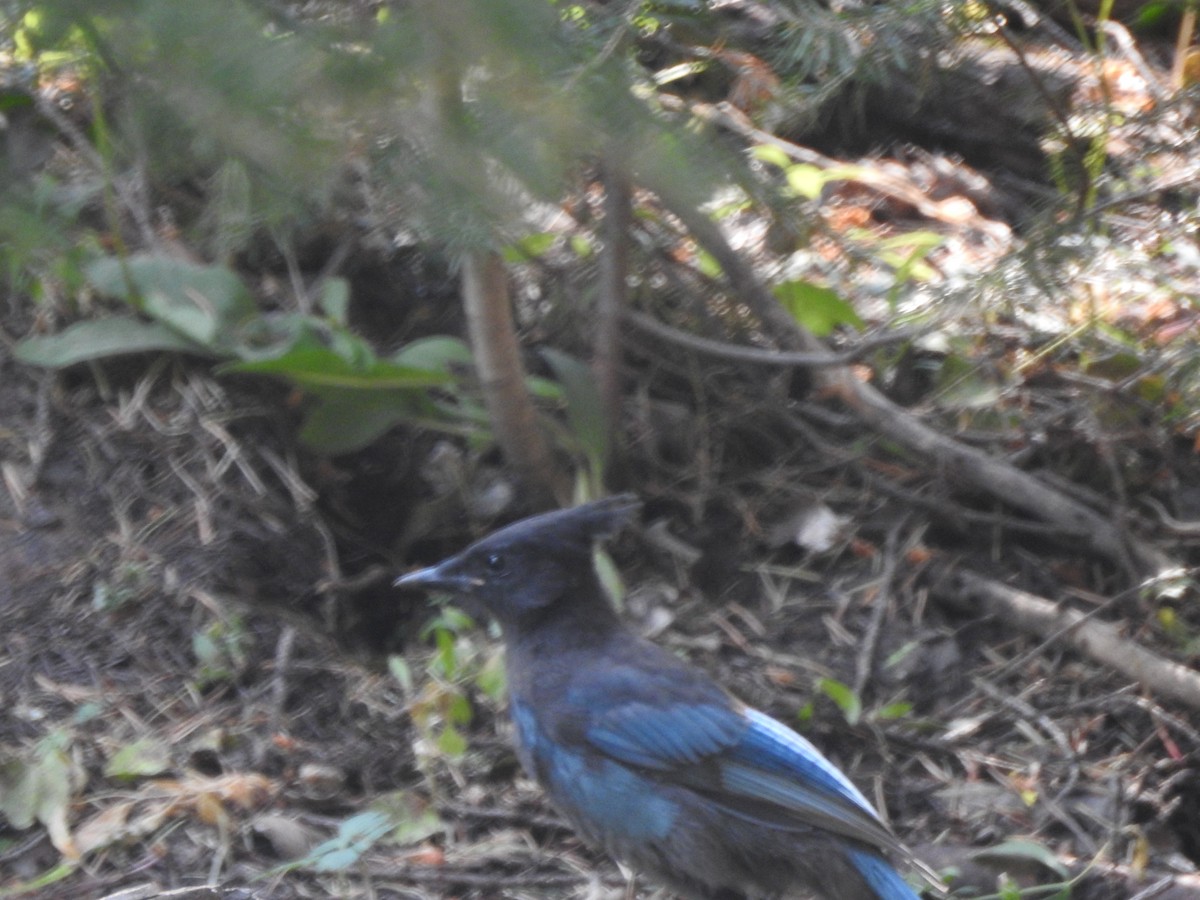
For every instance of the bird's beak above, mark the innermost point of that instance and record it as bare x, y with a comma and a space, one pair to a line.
441, 577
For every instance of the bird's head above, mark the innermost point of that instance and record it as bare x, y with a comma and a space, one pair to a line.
531, 564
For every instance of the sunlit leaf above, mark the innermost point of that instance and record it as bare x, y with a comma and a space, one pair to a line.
806, 180
843, 695
451, 742
769, 153
529, 247
894, 710
818, 309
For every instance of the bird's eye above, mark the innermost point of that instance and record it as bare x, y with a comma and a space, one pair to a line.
495, 563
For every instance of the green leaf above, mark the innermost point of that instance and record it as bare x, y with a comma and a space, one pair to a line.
18, 792
100, 338
438, 353
38, 788
492, 679
610, 576
314, 366
581, 246
335, 300
139, 759
459, 711
901, 653
529, 247
345, 421
819, 309
585, 411
897, 710
806, 180
451, 742
769, 153
205, 303
707, 264
843, 695
399, 669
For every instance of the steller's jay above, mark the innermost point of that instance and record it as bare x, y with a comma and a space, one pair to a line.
644, 754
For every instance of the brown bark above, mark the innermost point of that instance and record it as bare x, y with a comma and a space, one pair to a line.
502, 377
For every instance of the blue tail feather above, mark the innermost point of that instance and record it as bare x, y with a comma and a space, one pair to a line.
881, 876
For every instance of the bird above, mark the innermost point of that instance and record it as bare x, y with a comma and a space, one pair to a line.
645, 755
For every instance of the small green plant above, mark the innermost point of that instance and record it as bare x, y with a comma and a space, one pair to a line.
354, 394
850, 703
220, 650
440, 705
128, 583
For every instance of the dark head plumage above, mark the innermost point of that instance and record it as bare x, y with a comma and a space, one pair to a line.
530, 564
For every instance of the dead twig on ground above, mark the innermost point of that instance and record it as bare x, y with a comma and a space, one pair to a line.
1098, 640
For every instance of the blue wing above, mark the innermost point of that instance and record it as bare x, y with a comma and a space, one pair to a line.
739, 758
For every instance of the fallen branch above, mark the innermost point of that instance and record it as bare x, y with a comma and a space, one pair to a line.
1098, 640
758, 355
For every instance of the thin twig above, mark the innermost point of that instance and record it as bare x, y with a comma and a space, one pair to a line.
865, 664
1098, 640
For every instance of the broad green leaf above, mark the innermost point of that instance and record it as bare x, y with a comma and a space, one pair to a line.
204, 303
434, 354
585, 410
335, 300
315, 367
38, 788
18, 792
819, 309
345, 421
100, 338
